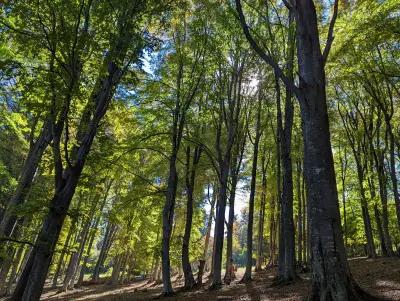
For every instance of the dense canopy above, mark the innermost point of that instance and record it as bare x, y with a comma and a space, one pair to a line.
194, 145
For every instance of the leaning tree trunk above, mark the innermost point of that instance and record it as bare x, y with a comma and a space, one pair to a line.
31, 283
36, 151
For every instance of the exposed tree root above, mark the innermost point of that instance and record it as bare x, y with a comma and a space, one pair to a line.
353, 293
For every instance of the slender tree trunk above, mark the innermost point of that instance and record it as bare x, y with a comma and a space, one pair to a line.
16, 264
168, 215
69, 280
249, 257
203, 261
103, 251
29, 168
219, 225
366, 217
305, 223
190, 182
64, 250
393, 172
31, 282
300, 216
383, 196
261, 219
229, 227
380, 230
272, 234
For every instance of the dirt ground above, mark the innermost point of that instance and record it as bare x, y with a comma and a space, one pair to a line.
380, 277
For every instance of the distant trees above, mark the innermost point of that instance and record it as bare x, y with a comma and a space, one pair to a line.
129, 127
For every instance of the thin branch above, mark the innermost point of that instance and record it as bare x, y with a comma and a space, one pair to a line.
267, 58
330, 37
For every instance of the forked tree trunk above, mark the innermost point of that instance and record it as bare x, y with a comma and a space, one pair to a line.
31, 283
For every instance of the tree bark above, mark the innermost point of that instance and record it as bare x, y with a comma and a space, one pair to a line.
190, 185
300, 216
235, 169
261, 218
203, 265
31, 283
249, 254
29, 168
331, 279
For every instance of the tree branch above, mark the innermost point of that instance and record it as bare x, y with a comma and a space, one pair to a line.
267, 58
330, 37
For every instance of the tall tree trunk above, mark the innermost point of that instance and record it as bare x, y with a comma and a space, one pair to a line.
383, 196
64, 250
219, 225
261, 214
14, 270
249, 257
168, 215
32, 280
229, 228
231, 122
331, 274
235, 169
29, 168
366, 217
92, 235
203, 261
103, 251
393, 172
272, 234
61, 258
190, 183
300, 215
287, 260
69, 280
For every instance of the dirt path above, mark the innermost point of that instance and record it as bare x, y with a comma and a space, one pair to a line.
380, 277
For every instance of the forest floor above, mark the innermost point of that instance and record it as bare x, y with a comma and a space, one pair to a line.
380, 277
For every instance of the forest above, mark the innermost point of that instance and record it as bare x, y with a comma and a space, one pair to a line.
199, 150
